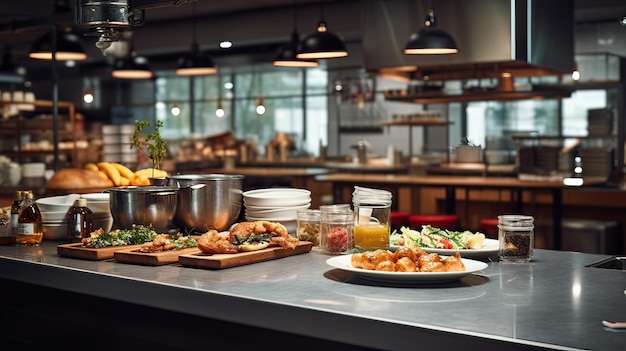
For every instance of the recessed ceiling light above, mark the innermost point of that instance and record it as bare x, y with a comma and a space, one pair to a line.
226, 44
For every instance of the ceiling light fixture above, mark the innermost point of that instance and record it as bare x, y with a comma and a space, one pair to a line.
175, 110
287, 54
322, 44
88, 96
132, 67
430, 39
195, 63
219, 112
260, 108
68, 47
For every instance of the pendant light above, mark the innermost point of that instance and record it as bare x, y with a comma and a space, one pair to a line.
322, 44
88, 96
430, 39
260, 107
68, 47
287, 54
219, 112
195, 63
132, 67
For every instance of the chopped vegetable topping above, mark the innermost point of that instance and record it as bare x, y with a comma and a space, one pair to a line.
139, 234
436, 238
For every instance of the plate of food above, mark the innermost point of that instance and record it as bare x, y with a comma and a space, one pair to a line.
445, 242
462, 268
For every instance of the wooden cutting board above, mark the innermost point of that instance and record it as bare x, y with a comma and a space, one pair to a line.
75, 250
221, 261
134, 256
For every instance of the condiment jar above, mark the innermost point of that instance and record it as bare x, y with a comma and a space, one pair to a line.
308, 225
372, 218
336, 230
516, 237
79, 222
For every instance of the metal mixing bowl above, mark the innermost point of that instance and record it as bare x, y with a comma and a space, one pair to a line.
207, 201
145, 205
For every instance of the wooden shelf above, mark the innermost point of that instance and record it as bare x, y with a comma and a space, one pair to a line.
438, 97
417, 123
28, 123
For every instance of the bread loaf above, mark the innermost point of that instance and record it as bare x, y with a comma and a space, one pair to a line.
77, 178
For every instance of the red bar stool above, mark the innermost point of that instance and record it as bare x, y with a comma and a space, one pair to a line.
438, 221
399, 219
489, 226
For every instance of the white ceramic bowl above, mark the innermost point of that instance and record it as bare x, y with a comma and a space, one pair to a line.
56, 203
282, 212
97, 202
53, 216
277, 197
55, 231
102, 221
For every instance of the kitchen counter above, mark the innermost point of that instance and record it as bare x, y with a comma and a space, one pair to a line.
554, 302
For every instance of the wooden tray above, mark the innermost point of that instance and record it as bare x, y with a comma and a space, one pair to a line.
75, 250
133, 256
221, 261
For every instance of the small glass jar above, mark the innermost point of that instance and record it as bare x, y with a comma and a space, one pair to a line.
308, 225
516, 237
336, 231
372, 218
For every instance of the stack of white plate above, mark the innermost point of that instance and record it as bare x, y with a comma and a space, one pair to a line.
276, 205
54, 213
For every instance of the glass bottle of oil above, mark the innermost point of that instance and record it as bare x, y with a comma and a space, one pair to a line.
80, 221
15, 213
29, 224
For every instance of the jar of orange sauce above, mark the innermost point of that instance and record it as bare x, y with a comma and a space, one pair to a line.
372, 218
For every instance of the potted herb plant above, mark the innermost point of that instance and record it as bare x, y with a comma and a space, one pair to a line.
154, 146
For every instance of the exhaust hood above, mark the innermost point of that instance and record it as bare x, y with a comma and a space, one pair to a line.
521, 37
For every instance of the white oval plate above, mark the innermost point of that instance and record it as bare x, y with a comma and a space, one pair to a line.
343, 262
490, 247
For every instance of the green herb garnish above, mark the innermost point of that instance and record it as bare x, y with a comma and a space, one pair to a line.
156, 145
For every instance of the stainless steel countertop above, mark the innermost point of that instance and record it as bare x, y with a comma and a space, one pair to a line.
553, 302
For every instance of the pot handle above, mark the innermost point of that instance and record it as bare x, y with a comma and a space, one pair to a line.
163, 193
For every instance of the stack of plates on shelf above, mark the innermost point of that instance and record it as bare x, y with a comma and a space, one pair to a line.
597, 162
54, 213
276, 205
599, 122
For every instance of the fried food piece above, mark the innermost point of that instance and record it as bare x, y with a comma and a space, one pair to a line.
432, 266
386, 266
454, 263
405, 264
280, 234
372, 258
357, 260
426, 258
161, 242
405, 251
216, 242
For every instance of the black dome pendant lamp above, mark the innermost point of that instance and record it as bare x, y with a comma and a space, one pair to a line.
287, 54
430, 39
65, 45
322, 44
195, 63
